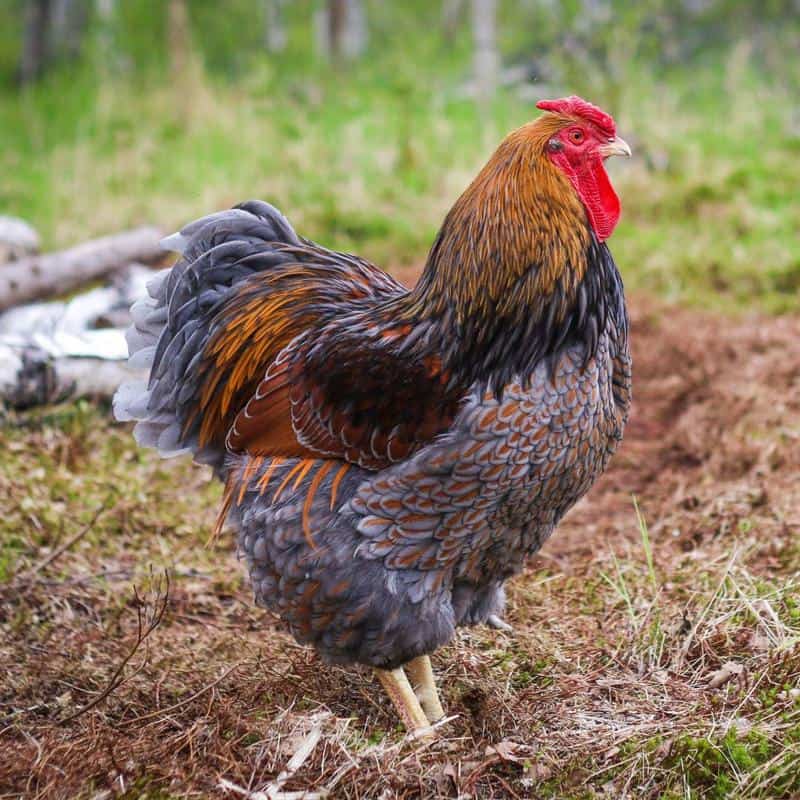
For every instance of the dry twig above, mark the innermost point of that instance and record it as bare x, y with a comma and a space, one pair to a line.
143, 630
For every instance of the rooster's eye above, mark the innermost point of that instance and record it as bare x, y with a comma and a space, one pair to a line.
576, 136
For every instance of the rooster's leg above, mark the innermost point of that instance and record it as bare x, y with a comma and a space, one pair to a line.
398, 688
420, 675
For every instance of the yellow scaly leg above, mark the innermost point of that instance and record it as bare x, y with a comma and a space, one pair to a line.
398, 688
420, 675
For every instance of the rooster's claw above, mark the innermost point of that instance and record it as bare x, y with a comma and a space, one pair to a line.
493, 621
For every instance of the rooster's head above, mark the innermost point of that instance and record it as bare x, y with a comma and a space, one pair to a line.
521, 255
577, 137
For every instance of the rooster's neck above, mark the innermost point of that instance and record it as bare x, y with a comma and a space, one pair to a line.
514, 276
517, 232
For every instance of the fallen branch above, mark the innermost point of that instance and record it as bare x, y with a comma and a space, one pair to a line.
55, 273
32, 378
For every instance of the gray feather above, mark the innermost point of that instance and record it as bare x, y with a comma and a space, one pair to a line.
172, 325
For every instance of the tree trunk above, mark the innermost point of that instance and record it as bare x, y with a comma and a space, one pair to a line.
55, 273
187, 70
337, 16
274, 28
68, 26
107, 55
31, 377
180, 44
341, 29
452, 13
354, 41
486, 60
34, 46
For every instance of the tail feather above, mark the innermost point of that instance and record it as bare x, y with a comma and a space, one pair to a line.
244, 288
172, 323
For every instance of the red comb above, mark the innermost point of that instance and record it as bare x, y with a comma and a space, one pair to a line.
578, 107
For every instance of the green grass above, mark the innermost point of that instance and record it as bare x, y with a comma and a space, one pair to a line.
735, 765
370, 157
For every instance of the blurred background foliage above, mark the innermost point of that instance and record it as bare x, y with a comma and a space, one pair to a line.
363, 121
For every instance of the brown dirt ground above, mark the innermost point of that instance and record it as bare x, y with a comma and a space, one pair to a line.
593, 694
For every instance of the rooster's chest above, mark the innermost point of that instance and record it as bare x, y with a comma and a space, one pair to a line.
551, 441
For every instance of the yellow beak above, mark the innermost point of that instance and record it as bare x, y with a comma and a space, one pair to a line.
615, 147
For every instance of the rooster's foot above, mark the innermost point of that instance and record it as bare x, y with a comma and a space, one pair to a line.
493, 621
405, 701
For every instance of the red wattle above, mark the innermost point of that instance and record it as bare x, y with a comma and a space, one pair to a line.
594, 188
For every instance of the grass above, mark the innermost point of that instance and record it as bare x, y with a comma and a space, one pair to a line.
369, 158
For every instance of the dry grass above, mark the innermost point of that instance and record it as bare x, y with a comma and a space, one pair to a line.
652, 656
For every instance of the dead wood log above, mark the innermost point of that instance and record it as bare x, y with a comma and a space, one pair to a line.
17, 239
31, 377
55, 273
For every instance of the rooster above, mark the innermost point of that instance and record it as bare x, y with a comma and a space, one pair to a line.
391, 457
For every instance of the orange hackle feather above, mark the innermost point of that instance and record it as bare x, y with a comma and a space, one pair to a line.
263, 481
243, 479
298, 467
225, 507
311, 492
252, 467
519, 210
336, 481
